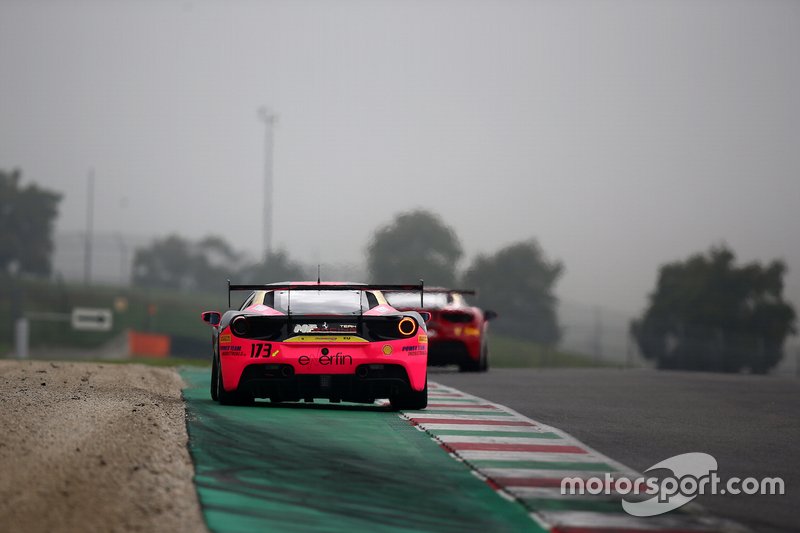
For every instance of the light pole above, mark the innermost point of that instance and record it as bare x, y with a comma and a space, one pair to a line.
123, 258
269, 120
87, 247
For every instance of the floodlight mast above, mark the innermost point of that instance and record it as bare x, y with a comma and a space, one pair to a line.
269, 120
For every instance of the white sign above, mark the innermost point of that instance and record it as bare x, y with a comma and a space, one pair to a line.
90, 319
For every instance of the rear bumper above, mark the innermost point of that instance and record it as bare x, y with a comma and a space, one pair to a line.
279, 382
323, 367
444, 352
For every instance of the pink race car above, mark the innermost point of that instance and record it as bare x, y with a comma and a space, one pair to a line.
306, 340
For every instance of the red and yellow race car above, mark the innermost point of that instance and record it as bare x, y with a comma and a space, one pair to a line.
458, 332
306, 340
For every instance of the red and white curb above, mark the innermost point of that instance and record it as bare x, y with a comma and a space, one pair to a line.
525, 461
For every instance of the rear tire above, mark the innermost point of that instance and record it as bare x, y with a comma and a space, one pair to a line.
224, 397
481, 365
214, 378
411, 400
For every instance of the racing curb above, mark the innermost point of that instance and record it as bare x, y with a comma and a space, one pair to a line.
524, 461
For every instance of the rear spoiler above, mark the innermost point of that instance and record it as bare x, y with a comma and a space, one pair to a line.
431, 290
327, 287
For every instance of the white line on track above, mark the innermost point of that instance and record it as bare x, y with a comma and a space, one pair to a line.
537, 473
453, 439
477, 426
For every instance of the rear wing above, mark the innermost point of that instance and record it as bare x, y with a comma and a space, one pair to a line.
327, 287
431, 290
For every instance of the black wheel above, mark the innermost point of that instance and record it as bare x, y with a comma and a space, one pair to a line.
411, 400
471, 366
228, 398
214, 377
481, 365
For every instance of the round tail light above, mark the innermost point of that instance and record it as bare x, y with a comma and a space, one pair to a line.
239, 326
407, 326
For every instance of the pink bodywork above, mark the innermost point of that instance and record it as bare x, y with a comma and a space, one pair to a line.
342, 357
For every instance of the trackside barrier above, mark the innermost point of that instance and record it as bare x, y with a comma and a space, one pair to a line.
148, 344
21, 338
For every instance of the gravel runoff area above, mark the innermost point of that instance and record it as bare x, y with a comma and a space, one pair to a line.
94, 447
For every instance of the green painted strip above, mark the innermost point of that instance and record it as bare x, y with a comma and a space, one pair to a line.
541, 465
477, 414
474, 433
598, 506
325, 468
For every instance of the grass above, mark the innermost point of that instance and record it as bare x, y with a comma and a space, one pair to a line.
507, 352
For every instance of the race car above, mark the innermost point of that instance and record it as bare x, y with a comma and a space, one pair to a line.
304, 340
457, 331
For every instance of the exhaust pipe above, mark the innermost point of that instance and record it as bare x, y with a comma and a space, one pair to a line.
362, 371
287, 371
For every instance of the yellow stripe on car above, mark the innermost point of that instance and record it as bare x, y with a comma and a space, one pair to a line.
325, 338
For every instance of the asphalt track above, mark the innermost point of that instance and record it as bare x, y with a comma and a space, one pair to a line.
750, 424
322, 467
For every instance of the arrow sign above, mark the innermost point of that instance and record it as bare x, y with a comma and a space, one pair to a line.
90, 319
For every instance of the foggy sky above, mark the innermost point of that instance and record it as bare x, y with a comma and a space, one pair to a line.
620, 134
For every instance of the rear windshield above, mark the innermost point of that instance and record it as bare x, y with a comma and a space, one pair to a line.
321, 302
410, 300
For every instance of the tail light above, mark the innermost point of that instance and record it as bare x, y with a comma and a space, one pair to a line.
407, 326
239, 326
259, 327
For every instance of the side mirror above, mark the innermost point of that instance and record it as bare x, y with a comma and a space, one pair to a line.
212, 318
426, 316
489, 315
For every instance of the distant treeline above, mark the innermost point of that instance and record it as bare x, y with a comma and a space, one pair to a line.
706, 313
516, 281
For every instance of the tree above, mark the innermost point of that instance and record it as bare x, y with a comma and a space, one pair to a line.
177, 263
416, 244
518, 283
216, 261
27, 216
277, 267
708, 314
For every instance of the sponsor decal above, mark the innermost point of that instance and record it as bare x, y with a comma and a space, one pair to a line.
340, 359
415, 350
226, 338
231, 350
324, 327
326, 338
422, 339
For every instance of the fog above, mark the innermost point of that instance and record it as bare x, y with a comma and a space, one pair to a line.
620, 134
